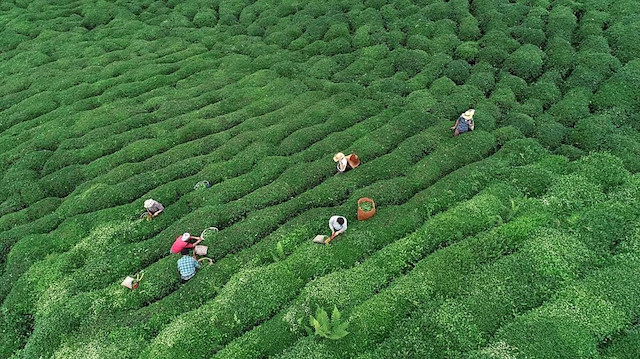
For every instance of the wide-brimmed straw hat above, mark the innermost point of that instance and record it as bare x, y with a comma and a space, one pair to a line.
185, 236
148, 203
338, 157
468, 114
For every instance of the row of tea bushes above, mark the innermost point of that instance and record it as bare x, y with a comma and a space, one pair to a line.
233, 313
203, 274
435, 203
578, 319
460, 257
251, 233
625, 346
509, 286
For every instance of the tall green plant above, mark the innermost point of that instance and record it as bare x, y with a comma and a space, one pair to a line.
333, 328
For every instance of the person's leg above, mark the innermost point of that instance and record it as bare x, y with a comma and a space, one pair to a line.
456, 133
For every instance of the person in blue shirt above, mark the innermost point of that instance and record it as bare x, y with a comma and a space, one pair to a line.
464, 123
187, 265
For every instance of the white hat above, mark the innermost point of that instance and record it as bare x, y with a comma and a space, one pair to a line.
468, 114
185, 236
148, 203
338, 157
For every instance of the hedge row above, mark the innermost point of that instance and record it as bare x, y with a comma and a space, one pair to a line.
307, 262
578, 319
239, 207
509, 286
221, 249
234, 267
625, 346
434, 206
464, 254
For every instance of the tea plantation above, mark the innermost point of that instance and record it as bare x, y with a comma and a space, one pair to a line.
520, 239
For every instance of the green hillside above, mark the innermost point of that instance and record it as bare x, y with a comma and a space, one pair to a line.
520, 239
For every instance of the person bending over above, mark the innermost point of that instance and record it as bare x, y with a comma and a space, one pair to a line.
185, 241
153, 207
338, 225
187, 265
346, 163
464, 123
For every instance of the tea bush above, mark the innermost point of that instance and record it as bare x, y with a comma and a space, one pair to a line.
526, 62
105, 104
581, 316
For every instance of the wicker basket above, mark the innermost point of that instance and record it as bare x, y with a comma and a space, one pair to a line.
362, 215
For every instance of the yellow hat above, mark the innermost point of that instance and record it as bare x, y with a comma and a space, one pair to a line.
338, 157
468, 114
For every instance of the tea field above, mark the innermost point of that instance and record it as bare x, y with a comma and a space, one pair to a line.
520, 239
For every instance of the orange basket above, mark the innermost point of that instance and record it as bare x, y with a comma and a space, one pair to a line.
362, 215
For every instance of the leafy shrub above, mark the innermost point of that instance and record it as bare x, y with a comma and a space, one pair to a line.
619, 91
500, 41
409, 61
571, 152
336, 31
620, 35
573, 106
458, 71
333, 328
362, 37
516, 84
432, 71
521, 151
63, 182
592, 133
445, 44
603, 168
591, 24
99, 13
522, 122
529, 35
525, 62
485, 81
438, 10
505, 134
627, 150
545, 91
420, 100
591, 69
205, 18
504, 98
468, 29
550, 134
467, 51
595, 44
573, 192
560, 54
573, 324
561, 22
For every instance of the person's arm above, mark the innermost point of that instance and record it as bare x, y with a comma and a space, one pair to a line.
157, 213
197, 264
198, 239
456, 125
190, 245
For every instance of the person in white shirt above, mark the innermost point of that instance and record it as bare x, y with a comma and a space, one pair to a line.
338, 224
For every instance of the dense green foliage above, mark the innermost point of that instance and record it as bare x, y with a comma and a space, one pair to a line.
520, 239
